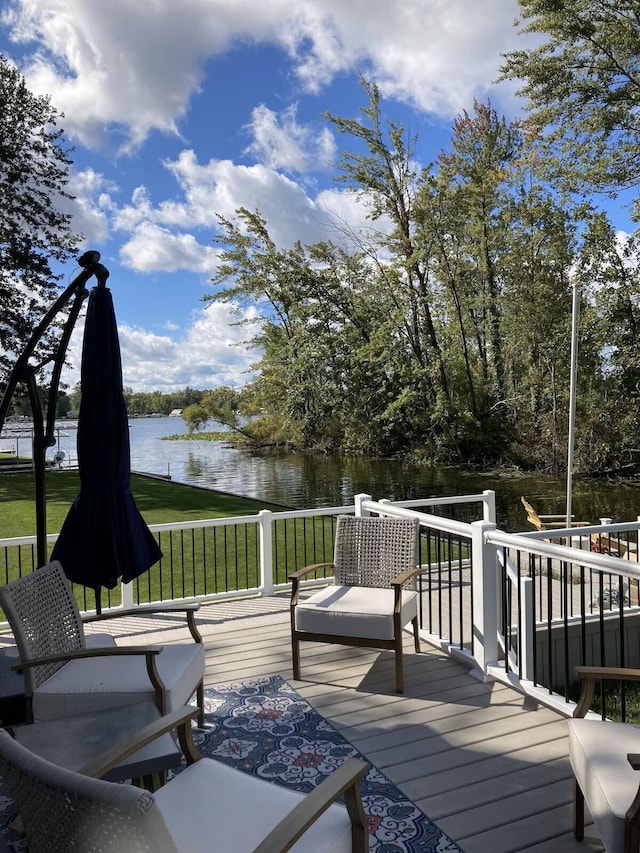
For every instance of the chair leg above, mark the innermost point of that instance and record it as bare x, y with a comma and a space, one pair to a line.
358, 818
578, 811
295, 654
416, 634
631, 838
399, 665
200, 701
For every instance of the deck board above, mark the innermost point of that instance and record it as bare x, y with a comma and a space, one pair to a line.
488, 765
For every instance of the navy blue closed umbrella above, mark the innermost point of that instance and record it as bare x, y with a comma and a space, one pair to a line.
104, 537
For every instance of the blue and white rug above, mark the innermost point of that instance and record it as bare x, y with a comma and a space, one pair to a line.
265, 728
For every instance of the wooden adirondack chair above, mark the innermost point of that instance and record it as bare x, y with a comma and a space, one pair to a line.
549, 522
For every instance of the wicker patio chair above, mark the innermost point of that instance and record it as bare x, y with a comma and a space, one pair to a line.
373, 595
68, 672
205, 807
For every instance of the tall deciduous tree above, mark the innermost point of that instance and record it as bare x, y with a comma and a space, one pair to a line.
476, 170
386, 174
447, 336
34, 233
583, 84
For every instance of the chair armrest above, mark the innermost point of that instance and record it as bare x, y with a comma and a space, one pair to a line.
397, 584
148, 609
308, 569
589, 675
78, 654
633, 812
150, 653
179, 719
345, 780
403, 577
554, 516
295, 578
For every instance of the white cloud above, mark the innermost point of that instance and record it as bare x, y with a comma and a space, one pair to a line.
91, 206
210, 353
279, 142
120, 65
154, 249
120, 70
162, 238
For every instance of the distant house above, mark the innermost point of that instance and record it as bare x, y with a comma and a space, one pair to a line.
175, 413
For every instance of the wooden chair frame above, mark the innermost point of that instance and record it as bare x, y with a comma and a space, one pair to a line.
590, 676
397, 582
121, 815
43, 613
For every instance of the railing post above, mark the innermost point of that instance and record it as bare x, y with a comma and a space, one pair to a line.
358, 500
527, 629
265, 525
485, 596
126, 593
489, 505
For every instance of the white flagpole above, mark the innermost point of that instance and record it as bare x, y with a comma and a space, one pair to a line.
575, 313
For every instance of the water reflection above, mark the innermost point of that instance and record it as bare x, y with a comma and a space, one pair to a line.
300, 481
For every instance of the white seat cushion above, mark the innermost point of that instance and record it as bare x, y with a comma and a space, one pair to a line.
210, 806
96, 684
598, 754
354, 611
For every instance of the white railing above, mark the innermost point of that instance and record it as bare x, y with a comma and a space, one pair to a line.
511, 605
562, 605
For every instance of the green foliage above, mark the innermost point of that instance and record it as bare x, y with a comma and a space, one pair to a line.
582, 83
446, 334
35, 236
195, 417
153, 402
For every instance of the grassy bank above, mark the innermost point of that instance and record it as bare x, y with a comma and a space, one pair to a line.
192, 564
159, 501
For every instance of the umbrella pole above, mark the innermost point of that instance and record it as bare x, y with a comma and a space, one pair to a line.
98, 595
23, 371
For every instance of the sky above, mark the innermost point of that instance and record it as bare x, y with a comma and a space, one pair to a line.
183, 110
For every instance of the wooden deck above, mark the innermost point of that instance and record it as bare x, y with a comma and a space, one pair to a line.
487, 765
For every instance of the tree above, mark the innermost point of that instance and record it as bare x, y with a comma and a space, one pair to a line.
583, 85
386, 175
195, 417
483, 148
34, 233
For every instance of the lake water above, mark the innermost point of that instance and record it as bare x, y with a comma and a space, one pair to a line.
300, 481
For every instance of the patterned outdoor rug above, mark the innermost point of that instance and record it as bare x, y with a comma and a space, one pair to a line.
265, 728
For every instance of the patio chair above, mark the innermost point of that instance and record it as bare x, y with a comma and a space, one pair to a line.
549, 522
617, 546
604, 757
207, 806
68, 672
373, 595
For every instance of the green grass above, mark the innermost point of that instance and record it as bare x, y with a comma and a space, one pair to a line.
231, 437
200, 562
204, 561
159, 501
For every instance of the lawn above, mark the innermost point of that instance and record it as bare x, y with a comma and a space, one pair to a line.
194, 562
159, 501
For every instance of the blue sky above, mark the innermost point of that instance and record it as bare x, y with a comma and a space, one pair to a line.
182, 109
